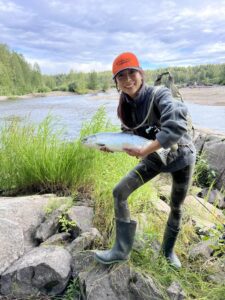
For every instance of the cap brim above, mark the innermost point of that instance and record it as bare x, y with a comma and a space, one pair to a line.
132, 68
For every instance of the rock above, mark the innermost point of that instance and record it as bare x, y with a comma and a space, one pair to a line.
217, 271
20, 217
202, 213
141, 240
142, 222
48, 227
213, 197
12, 243
162, 206
201, 250
82, 261
212, 139
85, 241
199, 141
202, 226
39, 271
106, 282
144, 288
213, 147
27, 212
58, 239
115, 282
164, 191
83, 217
215, 153
175, 291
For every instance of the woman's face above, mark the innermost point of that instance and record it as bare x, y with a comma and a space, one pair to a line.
129, 81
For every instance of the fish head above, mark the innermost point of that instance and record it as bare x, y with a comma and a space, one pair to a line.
92, 141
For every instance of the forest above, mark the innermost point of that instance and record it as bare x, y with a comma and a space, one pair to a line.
18, 77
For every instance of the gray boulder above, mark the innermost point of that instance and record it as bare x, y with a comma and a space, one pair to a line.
201, 250
82, 261
43, 270
215, 153
19, 218
175, 291
117, 282
83, 217
217, 271
48, 227
213, 196
85, 241
213, 147
199, 141
27, 212
144, 288
11, 236
203, 214
106, 282
58, 239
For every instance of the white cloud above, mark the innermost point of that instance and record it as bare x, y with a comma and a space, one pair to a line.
52, 67
8, 6
88, 34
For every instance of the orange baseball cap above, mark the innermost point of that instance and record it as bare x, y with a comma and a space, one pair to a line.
126, 60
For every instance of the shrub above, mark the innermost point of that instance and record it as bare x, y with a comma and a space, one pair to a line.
43, 89
204, 176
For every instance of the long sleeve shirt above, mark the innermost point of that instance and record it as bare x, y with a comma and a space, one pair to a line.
170, 117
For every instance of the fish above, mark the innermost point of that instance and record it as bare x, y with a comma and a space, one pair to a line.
117, 141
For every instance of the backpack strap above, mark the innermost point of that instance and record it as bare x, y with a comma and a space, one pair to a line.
148, 115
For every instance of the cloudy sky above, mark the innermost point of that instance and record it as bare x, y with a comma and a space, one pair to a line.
85, 35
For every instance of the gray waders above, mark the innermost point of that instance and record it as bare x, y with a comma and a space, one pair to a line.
169, 240
125, 233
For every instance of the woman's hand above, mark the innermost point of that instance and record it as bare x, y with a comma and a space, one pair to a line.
143, 151
133, 152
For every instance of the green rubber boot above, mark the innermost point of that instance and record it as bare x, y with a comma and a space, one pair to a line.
125, 233
169, 240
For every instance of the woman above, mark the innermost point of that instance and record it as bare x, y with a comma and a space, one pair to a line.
153, 114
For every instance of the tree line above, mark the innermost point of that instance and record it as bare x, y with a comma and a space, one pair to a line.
18, 77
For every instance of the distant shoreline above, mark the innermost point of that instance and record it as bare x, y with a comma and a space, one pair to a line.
204, 95
38, 95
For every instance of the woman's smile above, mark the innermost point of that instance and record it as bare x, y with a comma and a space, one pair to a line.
129, 81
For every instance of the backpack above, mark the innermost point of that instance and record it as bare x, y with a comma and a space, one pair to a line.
169, 83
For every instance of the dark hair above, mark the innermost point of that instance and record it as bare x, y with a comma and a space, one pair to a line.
124, 111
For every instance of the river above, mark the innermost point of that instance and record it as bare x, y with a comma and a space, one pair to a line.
72, 111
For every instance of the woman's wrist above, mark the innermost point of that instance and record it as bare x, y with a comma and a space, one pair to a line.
150, 148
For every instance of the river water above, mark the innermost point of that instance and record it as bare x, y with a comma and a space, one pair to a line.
72, 111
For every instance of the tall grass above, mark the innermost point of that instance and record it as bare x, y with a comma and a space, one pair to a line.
35, 158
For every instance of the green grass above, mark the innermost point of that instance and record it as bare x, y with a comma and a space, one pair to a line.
36, 159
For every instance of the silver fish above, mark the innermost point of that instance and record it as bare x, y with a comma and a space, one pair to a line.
117, 141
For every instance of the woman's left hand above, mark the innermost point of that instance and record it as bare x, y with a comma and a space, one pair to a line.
133, 152
145, 150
